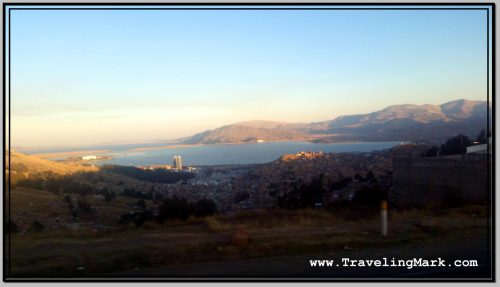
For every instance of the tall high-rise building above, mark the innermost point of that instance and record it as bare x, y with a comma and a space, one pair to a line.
178, 162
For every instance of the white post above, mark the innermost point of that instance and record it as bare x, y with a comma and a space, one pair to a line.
383, 217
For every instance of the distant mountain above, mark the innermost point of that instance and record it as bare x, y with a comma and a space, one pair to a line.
429, 123
250, 131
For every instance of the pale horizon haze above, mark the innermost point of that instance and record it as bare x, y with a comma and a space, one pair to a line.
81, 78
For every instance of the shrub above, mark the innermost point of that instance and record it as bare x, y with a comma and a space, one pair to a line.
140, 204
370, 177
180, 208
82, 189
216, 226
35, 183
369, 195
205, 207
175, 208
240, 196
108, 195
343, 183
84, 206
67, 199
137, 217
36, 226
137, 194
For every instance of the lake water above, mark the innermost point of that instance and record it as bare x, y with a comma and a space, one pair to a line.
229, 153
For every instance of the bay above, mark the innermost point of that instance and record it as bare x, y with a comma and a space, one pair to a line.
220, 154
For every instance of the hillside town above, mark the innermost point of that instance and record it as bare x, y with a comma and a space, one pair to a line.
236, 187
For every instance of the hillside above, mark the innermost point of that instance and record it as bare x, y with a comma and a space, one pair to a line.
21, 162
455, 111
411, 122
25, 166
431, 123
250, 131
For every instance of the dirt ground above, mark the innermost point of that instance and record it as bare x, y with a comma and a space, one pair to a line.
260, 243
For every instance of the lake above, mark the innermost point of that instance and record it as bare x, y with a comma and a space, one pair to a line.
229, 153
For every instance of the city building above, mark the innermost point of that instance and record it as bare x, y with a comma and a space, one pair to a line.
479, 149
89, 157
178, 162
191, 169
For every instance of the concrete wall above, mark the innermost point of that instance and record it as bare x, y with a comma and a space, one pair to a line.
481, 148
436, 181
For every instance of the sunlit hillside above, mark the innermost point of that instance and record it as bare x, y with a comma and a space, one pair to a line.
25, 166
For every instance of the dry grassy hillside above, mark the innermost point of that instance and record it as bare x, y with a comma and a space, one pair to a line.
31, 164
28, 167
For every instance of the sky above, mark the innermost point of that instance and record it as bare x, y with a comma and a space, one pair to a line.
92, 77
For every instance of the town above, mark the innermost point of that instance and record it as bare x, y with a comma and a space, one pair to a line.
300, 198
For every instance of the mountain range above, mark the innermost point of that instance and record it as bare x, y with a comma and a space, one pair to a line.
422, 123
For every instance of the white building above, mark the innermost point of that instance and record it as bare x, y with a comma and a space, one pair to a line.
89, 157
178, 162
479, 149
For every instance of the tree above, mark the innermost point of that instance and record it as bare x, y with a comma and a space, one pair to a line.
369, 195
313, 192
481, 137
303, 195
456, 145
140, 204
371, 177
340, 184
432, 151
358, 177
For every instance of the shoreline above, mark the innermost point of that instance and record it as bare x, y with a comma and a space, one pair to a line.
74, 153
79, 152
308, 140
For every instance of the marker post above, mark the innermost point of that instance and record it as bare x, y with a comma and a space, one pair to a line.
383, 217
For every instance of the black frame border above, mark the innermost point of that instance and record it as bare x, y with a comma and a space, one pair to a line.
487, 6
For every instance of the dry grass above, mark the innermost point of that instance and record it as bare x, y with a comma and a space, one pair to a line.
215, 225
71, 153
39, 165
28, 205
271, 233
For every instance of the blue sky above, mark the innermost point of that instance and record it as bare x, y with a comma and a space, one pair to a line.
93, 77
